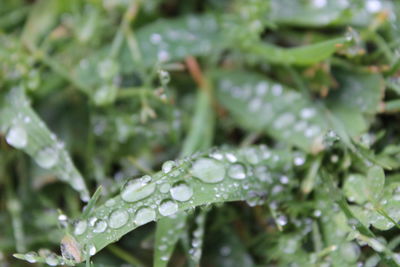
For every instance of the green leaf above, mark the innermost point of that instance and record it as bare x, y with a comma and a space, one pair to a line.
27, 132
177, 190
304, 55
306, 13
168, 232
174, 39
360, 189
260, 104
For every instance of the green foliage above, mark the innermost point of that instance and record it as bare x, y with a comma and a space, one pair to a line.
211, 133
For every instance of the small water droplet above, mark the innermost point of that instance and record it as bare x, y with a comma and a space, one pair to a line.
164, 188
47, 157
17, 136
281, 220
91, 249
52, 260
80, 227
118, 218
168, 207
138, 189
237, 171
167, 166
181, 191
164, 77
100, 226
144, 215
31, 257
208, 170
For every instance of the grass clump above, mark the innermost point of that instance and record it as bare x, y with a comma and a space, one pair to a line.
199, 133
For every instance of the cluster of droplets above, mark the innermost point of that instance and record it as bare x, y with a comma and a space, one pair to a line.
197, 237
224, 174
44, 256
177, 39
47, 151
18, 68
106, 93
271, 107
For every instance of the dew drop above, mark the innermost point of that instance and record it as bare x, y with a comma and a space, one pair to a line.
80, 227
47, 157
137, 189
208, 170
168, 207
252, 156
52, 260
281, 220
164, 188
181, 191
144, 215
91, 249
118, 218
31, 257
167, 166
164, 77
100, 226
17, 137
237, 171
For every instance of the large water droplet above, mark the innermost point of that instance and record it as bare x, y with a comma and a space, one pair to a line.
168, 207
208, 170
144, 215
99, 226
47, 157
17, 136
138, 189
237, 171
181, 191
80, 227
118, 218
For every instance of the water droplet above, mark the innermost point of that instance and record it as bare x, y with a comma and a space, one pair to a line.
155, 38
230, 157
164, 77
252, 156
168, 207
237, 171
164, 188
373, 6
17, 137
52, 260
100, 226
138, 189
307, 113
208, 170
80, 227
167, 166
118, 218
144, 215
281, 220
163, 55
299, 160
350, 251
31, 257
376, 245
107, 69
47, 157
91, 249
181, 191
